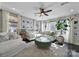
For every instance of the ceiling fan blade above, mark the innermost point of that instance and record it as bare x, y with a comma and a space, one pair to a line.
64, 3
48, 11
46, 14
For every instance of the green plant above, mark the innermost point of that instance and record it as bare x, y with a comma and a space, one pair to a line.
62, 25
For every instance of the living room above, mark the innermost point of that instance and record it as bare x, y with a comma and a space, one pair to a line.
39, 29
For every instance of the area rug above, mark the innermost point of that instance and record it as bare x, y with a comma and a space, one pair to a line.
31, 50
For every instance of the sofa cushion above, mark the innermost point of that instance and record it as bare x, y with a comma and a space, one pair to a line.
3, 37
13, 35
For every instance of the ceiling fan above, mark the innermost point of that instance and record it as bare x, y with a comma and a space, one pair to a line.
43, 10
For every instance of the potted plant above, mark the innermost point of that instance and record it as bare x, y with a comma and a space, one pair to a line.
62, 25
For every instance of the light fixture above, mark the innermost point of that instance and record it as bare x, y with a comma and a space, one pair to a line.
71, 10
13, 8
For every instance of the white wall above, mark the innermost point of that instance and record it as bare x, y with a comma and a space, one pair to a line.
75, 31
33, 25
27, 24
5, 21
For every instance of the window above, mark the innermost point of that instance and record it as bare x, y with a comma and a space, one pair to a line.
23, 21
23, 26
27, 21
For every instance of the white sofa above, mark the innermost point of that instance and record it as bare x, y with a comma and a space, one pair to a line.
11, 46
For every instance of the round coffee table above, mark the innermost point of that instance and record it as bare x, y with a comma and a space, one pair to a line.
43, 42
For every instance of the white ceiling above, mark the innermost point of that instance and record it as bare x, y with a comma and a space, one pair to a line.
29, 8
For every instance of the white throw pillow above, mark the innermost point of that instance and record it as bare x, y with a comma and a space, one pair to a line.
4, 37
13, 35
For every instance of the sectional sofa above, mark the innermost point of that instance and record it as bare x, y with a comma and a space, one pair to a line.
9, 46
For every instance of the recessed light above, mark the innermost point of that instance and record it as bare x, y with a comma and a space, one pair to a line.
13, 8
71, 10
53, 10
